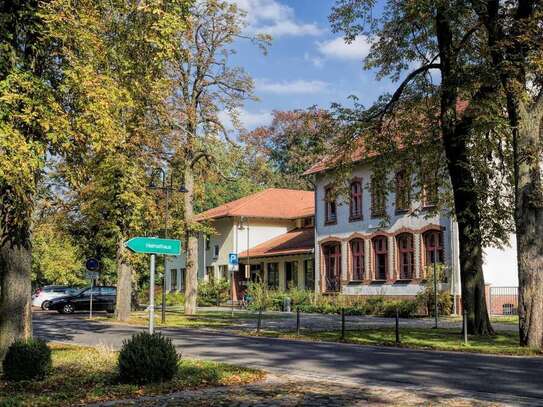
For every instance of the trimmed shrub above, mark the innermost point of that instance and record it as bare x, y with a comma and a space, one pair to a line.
27, 360
147, 358
406, 308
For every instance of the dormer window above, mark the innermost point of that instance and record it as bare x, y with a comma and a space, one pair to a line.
355, 204
330, 206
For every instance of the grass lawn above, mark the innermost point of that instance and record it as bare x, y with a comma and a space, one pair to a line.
88, 375
495, 319
204, 319
503, 343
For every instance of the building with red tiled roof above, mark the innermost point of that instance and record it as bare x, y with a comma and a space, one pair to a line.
274, 224
271, 203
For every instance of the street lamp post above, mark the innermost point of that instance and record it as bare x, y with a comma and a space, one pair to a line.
167, 189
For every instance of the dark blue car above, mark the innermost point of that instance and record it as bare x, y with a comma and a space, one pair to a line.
103, 299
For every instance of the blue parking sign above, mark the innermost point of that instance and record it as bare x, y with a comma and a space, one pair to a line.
233, 259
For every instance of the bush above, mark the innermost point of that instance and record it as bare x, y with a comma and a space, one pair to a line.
261, 299
406, 308
175, 298
147, 358
300, 297
213, 292
426, 298
26, 360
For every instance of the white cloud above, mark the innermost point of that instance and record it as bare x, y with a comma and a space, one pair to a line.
316, 61
249, 120
293, 87
339, 49
274, 18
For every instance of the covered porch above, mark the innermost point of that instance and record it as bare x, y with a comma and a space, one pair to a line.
282, 263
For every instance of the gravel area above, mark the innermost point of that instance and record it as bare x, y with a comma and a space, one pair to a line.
313, 392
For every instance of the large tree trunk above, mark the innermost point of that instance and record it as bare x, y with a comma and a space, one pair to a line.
123, 304
528, 152
15, 292
466, 200
191, 277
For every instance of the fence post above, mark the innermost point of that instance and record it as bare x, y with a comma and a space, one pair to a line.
342, 323
298, 321
397, 326
259, 321
465, 326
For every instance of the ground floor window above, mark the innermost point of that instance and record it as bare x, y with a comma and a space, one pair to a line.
406, 254
182, 280
380, 250
173, 279
210, 271
223, 271
332, 266
309, 274
357, 259
291, 273
273, 276
433, 246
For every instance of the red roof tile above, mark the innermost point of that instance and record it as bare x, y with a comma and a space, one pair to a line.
297, 241
272, 203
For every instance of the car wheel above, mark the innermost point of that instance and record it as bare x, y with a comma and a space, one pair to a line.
68, 309
45, 305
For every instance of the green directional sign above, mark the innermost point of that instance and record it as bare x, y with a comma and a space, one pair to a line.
153, 245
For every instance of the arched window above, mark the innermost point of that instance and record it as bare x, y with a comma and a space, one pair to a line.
433, 246
355, 207
380, 251
406, 255
357, 259
332, 265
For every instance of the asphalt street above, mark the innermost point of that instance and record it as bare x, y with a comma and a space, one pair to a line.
501, 378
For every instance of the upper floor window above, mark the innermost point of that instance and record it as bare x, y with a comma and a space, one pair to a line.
429, 190
433, 246
378, 197
380, 251
330, 206
406, 254
357, 259
355, 207
403, 191
216, 251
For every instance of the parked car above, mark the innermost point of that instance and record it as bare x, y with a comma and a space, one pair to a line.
103, 299
43, 296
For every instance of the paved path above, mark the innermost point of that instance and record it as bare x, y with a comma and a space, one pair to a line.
507, 379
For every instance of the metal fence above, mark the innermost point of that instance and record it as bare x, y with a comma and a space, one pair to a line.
503, 301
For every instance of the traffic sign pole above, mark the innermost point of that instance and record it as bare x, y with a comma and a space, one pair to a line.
90, 307
152, 296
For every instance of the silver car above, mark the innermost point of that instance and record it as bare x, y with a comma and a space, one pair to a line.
42, 296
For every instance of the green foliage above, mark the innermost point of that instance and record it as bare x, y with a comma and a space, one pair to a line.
147, 358
27, 360
56, 258
213, 292
175, 298
261, 299
377, 306
426, 298
292, 143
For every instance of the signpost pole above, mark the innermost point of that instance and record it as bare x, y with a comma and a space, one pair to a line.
152, 296
92, 289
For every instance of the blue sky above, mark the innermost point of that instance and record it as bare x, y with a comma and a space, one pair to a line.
306, 65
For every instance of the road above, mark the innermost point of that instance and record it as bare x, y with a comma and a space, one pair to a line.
501, 378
